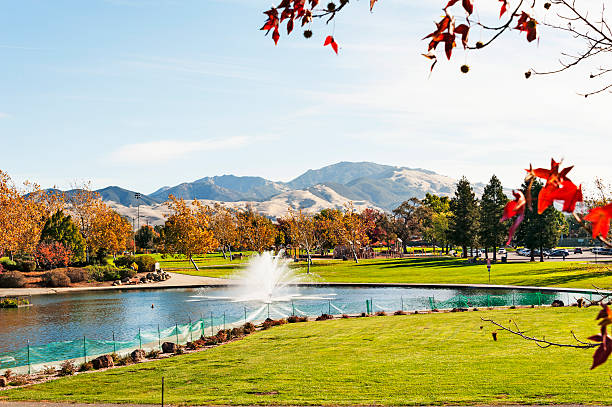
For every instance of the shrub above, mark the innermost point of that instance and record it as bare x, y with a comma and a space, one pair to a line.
77, 275
1, 268
268, 323
27, 266
20, 380
294, 318
67, 368
8, 264
103, 273
50, 255
12, 279
146, 263
125, 360
380, 313
48, 370
248, 328
345, 316
55, 278
153, 354
124, 261
324, 317
129, 273
8, 373
85, 366
400, 312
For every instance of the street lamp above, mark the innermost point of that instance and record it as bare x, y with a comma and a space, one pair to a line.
137, 195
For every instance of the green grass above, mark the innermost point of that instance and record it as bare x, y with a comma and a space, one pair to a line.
443, 271
394, 360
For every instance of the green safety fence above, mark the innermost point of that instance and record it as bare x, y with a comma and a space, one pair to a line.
510, 299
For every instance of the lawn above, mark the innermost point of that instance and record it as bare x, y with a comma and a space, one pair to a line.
443, 270
420, 359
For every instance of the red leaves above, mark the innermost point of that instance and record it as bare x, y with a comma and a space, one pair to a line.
504, 8
512, 209
603, 351
558, 187
467, 5
372, 2
439, 35
529, 25
600, 220
330, 41
292, 10
464, 30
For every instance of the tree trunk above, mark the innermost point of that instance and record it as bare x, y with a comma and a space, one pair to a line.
486, 253
541, 254
494, 254
223, 251
532, 255
354, 254
195, 266
229, 249
309, 261
464, 253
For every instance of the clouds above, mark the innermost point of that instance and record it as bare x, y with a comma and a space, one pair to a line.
168, 150
4, 115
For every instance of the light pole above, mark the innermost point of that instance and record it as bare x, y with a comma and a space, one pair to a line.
137, 195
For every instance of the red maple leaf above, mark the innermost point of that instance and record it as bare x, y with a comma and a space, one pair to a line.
504, 8
464, 30
527, 24
565, 191
512, 209
600, 220
330, 41
372, 2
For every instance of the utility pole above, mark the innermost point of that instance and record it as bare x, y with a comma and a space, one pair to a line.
137, 195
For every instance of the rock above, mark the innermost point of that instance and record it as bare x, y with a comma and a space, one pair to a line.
143, 279
138, 355
3, 381
558, 303
125, 280
150, 276
169, 347
102, 362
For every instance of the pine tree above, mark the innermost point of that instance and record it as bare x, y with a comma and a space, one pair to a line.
539, 231
492, 232
60, 228
463, 228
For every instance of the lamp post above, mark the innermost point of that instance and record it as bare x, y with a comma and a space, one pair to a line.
137, 195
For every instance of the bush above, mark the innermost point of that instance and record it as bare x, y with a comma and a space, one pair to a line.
1, 268
55, 278
324, 317
85, 366
52, 255
400, 312
248, 328
268, 323
381, 313
294, 318
8, 264
48, 370
129, 273
124, 261
146, 263
12, 279
103, 273
154, 354
67, 368
77, 275
27, 266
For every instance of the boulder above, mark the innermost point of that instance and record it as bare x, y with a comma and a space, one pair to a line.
558, 303
143, 279
125, 280
169, 347
3, 381
138, 355
102, 362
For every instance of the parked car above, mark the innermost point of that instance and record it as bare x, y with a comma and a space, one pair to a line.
578, 250
559, 253
502, 251
523, 252
606, 252
597, 250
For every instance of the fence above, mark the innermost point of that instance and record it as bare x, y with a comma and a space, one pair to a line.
33, 358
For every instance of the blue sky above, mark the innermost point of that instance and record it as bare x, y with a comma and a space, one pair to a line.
146, 93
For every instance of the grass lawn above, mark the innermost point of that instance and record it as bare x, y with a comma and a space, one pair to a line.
444, 270
416, 359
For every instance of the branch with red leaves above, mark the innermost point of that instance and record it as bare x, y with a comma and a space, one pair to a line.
525, 17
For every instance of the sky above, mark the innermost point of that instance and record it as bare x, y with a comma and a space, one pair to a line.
147, 93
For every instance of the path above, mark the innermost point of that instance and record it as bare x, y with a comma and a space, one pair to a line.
176, 281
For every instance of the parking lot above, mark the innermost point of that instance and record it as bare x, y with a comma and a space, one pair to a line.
585, 256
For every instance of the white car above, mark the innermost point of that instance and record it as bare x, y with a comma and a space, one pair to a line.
502, 251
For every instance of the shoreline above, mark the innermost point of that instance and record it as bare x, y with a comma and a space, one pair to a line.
179, 281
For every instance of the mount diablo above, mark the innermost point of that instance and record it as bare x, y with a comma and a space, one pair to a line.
366, 184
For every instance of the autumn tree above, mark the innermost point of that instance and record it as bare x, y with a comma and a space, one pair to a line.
83, 204
582, 20
436, 226
410, 217
187, 229
492, 232
327, 222
463, 226
108, 232
145, 237
351, 230
256, 231
224, 226
304, 233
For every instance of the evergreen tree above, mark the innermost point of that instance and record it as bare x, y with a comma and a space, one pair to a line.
60, 228
539, 231
463, 226
144, 237
492, 232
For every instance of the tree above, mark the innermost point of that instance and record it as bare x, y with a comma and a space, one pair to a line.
410, 218
256, 231
493, 232
187, 229
303, 233
580, 19
108, 231
436, 227
60, 228
52, 254
463, 226
223, 224
351, 230
539, 231
327, 222
145, 237
83, 203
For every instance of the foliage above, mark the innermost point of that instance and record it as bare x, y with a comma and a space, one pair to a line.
55, 278
103, 273
187, 228
223, 224
145, 237
8, 264
410, 218
492, 232
52, 254
67, 368
60, 228
26, 265
303, 232
12, 279
463, 227
146, 263
77, 275
256, 231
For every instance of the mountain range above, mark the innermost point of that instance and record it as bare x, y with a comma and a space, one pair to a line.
366, 184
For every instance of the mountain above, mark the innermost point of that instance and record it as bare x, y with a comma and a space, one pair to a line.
126, 197
340, 173
224, 188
